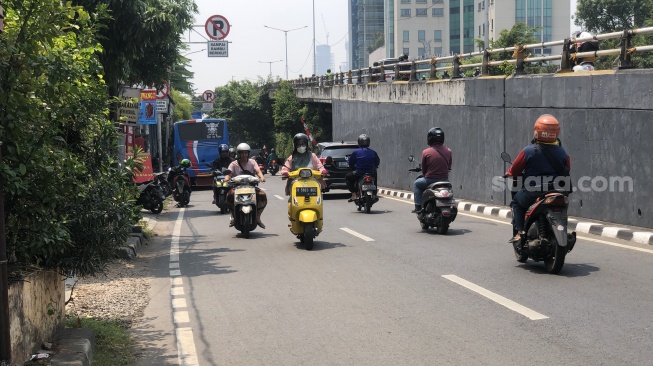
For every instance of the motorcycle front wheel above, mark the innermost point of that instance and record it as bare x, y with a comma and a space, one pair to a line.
309, 235
157, 205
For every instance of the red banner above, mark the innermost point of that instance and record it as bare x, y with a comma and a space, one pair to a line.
148, 173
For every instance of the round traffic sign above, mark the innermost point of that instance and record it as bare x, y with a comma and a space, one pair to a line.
208, 95
217, 27
163, 92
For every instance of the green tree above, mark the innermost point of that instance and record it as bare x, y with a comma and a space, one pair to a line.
141, 39
378, 42
68, 202
604, 16
247, 106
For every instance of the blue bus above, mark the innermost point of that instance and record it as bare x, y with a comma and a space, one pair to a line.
198, 141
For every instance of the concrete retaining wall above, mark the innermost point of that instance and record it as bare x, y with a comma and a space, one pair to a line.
606, 118
36, 310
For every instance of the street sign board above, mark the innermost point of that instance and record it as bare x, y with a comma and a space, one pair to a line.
217, 27
163, 92
207, 107
208, 96
196, 114
218, 48
162, 105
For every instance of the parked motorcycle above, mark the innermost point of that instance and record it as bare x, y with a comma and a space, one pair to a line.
179, 180
245, 203
305, 205
151, 197
545, 226
273, 167
162, 181
438, 206
220, 188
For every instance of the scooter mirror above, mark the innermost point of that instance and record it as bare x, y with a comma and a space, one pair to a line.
411, 158
329, 160
505, 157
226, 172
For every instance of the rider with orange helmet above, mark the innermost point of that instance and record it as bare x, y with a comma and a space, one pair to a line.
539, 164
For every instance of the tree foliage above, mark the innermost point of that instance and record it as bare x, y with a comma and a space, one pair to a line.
68, 202
605, 16
248, 108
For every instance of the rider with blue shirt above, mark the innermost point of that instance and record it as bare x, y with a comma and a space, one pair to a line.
363, 161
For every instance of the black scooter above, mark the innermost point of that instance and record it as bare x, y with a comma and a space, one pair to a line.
438, 207
366, 193
220, 188
151, 197
545, 226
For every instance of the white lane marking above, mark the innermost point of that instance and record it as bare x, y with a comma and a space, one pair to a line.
186, 352
643, 236
186, 347
279, 197
530, 314
181, 317
358, 235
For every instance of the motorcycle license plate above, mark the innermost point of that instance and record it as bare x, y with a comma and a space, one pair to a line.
306, 191
245, 190
440, 203
368, 187
343, 164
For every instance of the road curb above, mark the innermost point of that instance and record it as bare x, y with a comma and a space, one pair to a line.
585, 227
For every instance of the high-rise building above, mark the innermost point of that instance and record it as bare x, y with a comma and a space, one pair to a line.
426, 28
324, 59
365, 25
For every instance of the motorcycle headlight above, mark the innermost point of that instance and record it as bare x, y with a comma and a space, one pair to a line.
218, 184
245, 197
305, 173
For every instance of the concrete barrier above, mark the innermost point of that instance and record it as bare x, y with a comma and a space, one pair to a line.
606, 119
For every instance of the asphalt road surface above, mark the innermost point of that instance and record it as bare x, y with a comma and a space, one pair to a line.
378, 290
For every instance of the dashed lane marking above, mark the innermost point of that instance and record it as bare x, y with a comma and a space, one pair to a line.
358, 235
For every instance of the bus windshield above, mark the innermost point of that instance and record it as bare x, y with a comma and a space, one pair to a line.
198, 141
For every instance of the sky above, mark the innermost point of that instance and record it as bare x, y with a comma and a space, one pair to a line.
252, 46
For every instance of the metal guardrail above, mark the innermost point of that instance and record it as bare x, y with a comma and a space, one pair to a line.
412, 70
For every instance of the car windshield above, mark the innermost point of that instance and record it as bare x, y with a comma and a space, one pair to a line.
338, 151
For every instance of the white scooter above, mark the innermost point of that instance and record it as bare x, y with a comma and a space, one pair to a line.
245, 203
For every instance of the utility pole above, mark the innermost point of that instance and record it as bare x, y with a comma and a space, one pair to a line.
314, 58
5, 332
286, 34
270, 62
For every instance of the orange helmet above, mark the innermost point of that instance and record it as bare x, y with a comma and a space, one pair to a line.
546, 129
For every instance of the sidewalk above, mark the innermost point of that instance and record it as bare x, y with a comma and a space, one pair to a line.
580, 225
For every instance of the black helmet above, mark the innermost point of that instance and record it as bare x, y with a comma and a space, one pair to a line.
363, 140
299, 137
223, 148
436, 136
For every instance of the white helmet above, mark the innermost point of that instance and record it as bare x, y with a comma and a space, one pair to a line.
243, 147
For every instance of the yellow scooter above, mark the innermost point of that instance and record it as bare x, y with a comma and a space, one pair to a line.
305, 205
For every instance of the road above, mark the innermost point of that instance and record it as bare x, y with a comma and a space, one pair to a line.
377, 290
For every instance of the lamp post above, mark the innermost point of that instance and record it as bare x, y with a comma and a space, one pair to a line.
269, 62
286, 34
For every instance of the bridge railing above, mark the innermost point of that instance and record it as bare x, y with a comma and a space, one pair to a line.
428, 68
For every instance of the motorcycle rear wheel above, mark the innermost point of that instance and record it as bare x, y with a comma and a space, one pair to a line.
554, 264
368, 204
185, 198
424, 225
443, 228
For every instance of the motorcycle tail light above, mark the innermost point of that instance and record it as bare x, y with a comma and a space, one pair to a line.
368, 179
557, 201
274, 161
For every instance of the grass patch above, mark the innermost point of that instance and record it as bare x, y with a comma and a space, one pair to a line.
113, 344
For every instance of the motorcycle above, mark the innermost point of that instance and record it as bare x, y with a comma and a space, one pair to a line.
220, 189
438, 206
179, 180
151, 197
162, 181
545, 226
273, 167
245, 203
366, 193
305, 205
